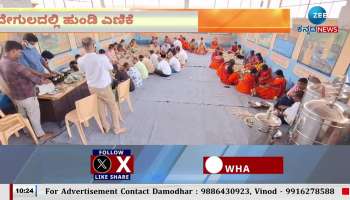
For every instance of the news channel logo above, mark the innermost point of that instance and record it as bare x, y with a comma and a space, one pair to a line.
317, 15
112, 164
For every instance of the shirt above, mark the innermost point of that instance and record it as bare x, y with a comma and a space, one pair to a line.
284, 101
142, 69
120, 76
135, 76
19, 79
112, 56
293, 90
154, 59
175, 64
149, 65
177, 43
182, 56
291, 112
165, 47
164, 67
97, 69
32, 59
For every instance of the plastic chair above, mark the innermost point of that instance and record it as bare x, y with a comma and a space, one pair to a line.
123, 90
86, 109
11, 124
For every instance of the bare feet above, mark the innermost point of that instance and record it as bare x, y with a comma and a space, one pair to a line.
46, 137
120, 131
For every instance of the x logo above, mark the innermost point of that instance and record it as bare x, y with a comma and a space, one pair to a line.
102, 164
123, 164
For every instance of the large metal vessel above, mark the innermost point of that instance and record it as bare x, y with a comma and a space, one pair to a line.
265, 126
321, 122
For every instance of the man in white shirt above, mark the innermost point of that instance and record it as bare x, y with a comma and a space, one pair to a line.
138, 64
154, 58
165, 47
97, 69
290, 113
181, 55
163, 68
177, 43
174, 62
149, 64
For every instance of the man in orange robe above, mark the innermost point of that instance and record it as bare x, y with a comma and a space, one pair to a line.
217, 61
233, 79
252, 59
202, 50
274, 89
247, 84
225, 71
234, 47
185, 44
265, 75
214, 44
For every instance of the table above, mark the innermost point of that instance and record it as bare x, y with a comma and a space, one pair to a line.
55, 107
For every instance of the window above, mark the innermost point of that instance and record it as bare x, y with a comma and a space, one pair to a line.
321, 51
234, 4
262, 39
221, 4
49, 41
172, 4
201, 3
104, 36
145, 4
285, 42
275, 4
80, 36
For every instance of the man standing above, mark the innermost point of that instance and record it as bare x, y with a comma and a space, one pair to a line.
97, 69
21, 82
31, 57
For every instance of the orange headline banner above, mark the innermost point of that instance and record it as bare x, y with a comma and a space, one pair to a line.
244, 20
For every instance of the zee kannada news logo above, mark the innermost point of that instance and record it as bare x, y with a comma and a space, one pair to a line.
111, 164
317, 15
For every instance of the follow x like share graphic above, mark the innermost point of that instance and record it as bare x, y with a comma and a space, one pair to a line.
112, 164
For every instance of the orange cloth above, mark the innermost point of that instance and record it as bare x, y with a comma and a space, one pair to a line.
246, 84
220, 69
185, 44
265, 77
233, 79
274, 90
249, 66
201, 49
253, 60
215, 53
234, 48
214, 44
216, 62
229, 79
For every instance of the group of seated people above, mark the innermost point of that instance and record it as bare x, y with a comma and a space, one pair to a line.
196, 47
255, 78
136, 63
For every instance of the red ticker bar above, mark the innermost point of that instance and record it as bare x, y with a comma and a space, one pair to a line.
243, 165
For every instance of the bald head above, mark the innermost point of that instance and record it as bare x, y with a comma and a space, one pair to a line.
88, 44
